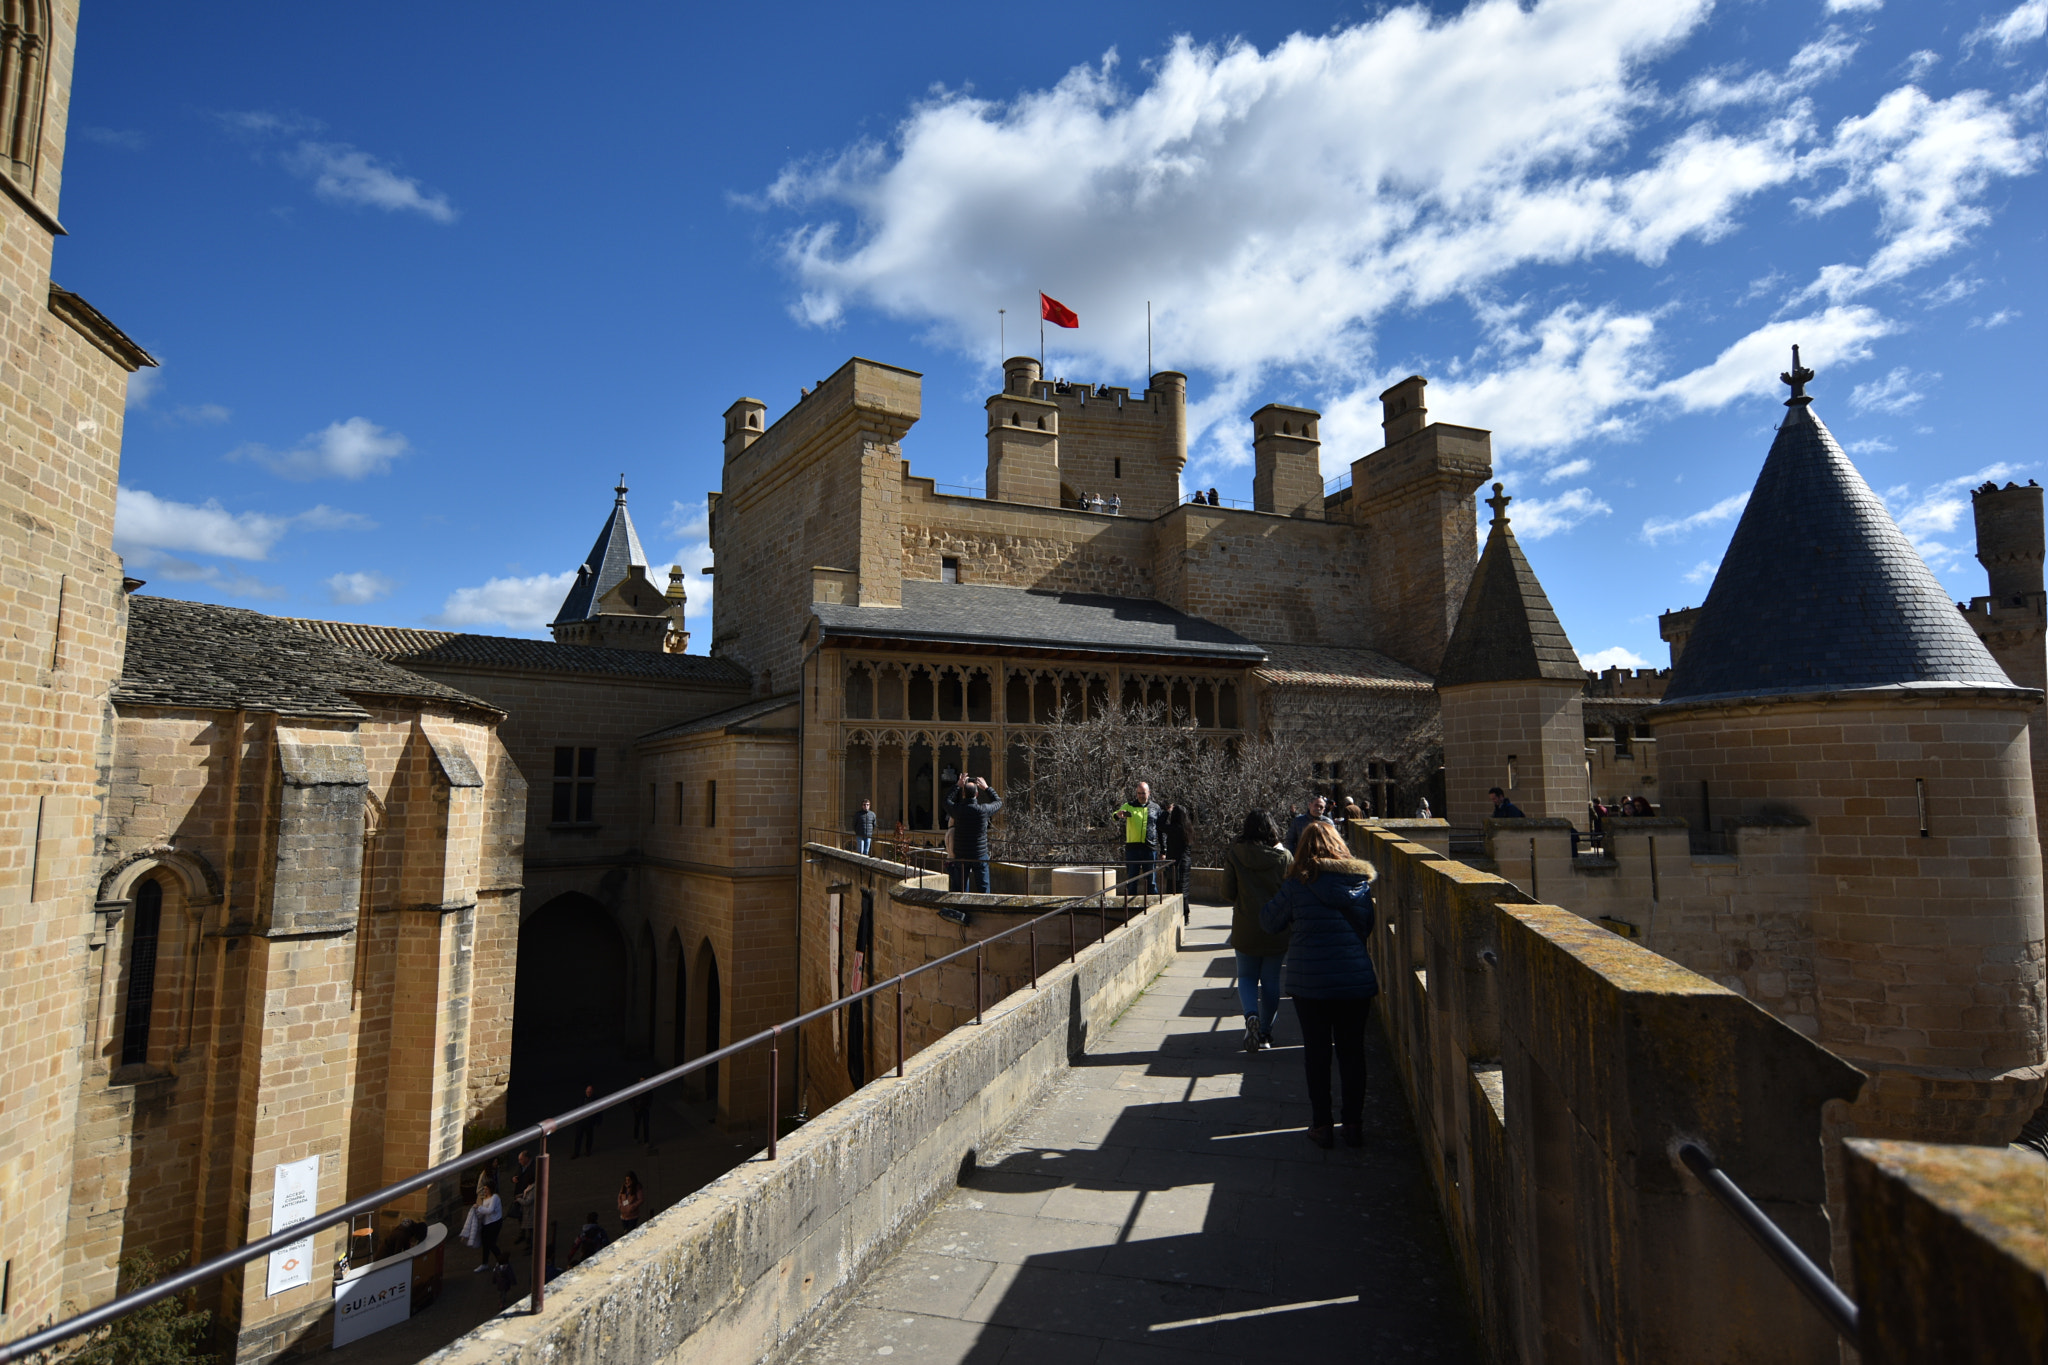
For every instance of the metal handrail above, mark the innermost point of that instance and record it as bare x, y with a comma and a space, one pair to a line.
539, 1132
1818, 1286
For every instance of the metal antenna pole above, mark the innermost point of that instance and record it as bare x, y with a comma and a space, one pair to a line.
1148, 338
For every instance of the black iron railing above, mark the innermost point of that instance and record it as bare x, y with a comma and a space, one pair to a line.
538, 1133
1818, 1286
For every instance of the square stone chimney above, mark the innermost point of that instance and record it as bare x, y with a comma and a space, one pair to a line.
1287, 471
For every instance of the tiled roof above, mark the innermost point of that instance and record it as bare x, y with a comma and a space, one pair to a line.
1506, 630
617, 550
967, 613
193, 654
722, 720
1820, 591
1335, 666
426, 648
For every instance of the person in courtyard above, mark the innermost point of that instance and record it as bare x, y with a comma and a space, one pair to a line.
1317, 813
591, 1240
1504, 809
632, 1198
1325, 905
586, 1129
505, 1280
972, 806
1179, 825
1140, 817
643, 1117
1422, 808
864, 828
490, 1220
1253, 868
523, 1188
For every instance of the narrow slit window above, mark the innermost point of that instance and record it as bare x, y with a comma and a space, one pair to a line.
711, 803
142, 946
679, 803
1920, 800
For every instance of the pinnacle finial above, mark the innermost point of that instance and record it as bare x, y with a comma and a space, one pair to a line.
1798, 377
1499, 503
621, 489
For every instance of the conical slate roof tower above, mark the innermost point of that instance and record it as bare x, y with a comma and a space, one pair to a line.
1820, 591
1507, 630
610, 560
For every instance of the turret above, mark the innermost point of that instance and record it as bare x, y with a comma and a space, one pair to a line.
2009, 538
1020, 375
1402, 412
1024, 447
1169, 389
1287, 470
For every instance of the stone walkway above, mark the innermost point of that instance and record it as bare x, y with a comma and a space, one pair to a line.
1162, 1204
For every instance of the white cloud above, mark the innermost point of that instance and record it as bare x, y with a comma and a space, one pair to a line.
1920, 63
353, 449
521, 603
1871, 446
357, 589
2018, 28
127, 139
199, 415
345, 175
1570, 469
1998, 319
144, 385
1814, 62
143, 521
1924, 161
1854, 6
146, 526
1671, 528
690, 523
1536, 518
1615, 656
165, 568
1747, 367
1937, 510
1703, 572
1893, 394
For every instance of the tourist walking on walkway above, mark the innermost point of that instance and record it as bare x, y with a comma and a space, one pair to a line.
1253, 868
631, 1199
522, 1195
1140, 818
864, 828
1317, 812
1326, 901
490, 1218
1180, 859
972, 806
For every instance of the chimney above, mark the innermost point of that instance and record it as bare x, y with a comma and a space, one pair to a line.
1287, 472
744, 423
1402, 411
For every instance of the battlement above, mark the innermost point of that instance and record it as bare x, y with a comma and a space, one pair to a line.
1099, 439
1625, 682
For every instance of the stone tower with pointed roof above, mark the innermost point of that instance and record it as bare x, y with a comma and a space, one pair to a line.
613, 603
1831, 684
1512, 692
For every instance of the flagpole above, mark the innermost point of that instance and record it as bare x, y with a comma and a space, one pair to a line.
1041, 339
1002, 336
1148, 338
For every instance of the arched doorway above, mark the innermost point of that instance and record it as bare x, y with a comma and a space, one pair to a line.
708, 958
569, 1008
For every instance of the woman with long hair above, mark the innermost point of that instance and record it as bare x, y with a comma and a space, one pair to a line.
1325, 905
631, 1197
1253, 867
490, 1218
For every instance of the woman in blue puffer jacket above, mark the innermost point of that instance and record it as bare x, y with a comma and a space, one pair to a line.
1326, 903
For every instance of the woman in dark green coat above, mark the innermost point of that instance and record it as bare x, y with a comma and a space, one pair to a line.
1253, 867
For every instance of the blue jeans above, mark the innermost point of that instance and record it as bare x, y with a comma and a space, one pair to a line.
1258, 987
862, 843
1140, 861
977, 876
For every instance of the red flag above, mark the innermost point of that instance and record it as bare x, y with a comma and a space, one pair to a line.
1056, 313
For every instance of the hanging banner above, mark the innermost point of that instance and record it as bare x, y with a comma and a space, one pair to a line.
294, 1197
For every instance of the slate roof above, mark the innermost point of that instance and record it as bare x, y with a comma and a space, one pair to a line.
723, 720
193, 654
401, 644
1337, 666
1506, 630
1821, 592
617, 550
967, 613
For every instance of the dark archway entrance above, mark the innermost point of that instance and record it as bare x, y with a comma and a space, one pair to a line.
682, 1007
569, 1010
711, 1002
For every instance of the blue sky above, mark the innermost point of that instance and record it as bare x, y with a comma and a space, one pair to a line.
426, 279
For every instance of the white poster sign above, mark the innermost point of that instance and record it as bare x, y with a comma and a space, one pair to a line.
372, 1301
294, 1197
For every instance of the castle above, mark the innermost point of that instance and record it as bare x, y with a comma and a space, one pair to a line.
292, 891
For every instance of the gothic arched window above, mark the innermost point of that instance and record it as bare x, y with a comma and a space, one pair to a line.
24, 65
142, 945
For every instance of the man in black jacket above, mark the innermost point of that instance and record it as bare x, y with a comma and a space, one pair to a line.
972, 805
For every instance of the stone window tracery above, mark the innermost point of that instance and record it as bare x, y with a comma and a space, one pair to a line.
144, 937
24, 67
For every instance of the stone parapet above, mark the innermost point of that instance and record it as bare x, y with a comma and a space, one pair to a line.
1553, 1068
748, 1266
